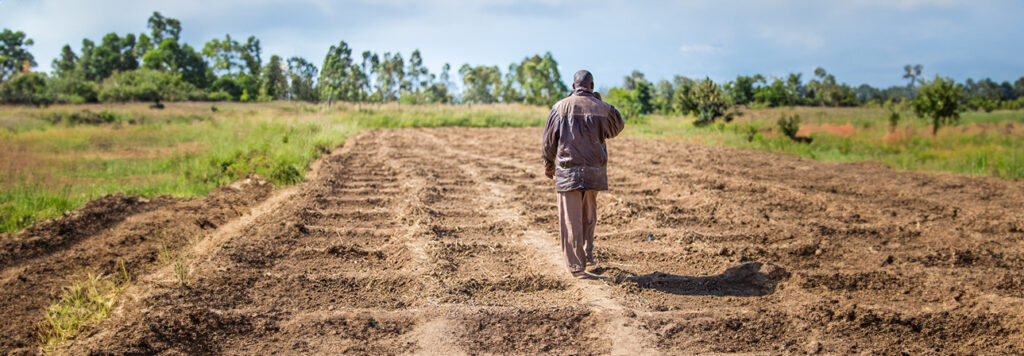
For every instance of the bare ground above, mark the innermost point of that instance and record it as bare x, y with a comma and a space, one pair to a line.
445, 241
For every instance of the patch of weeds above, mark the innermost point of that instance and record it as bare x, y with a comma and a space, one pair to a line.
181, 271
84, 301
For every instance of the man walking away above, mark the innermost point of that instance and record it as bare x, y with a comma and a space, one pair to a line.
575, 156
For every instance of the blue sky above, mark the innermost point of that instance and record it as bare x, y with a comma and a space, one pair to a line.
859, 41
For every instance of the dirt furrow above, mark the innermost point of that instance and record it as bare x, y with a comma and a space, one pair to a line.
445, 241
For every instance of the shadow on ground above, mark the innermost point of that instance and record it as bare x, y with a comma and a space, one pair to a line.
746, 280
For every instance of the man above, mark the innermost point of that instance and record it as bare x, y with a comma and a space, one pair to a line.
575, 157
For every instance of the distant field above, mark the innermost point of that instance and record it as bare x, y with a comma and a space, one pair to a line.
990, 144
55, 159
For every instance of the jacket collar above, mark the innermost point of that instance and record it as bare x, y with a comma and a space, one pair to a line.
582, 92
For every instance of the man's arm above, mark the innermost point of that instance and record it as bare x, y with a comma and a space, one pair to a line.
614, 125
550, 143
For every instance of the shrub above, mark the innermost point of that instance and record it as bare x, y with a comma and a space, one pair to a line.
789, 125
26, 88
939, 101
145, 85
709, 101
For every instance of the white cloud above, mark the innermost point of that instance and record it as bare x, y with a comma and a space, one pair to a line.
700, 48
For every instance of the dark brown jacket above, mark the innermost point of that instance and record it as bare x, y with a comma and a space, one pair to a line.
574, 141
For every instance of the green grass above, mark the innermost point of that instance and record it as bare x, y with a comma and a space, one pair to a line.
990, 144
60, 157
84, 301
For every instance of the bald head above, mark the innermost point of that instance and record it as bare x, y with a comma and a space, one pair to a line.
583, 79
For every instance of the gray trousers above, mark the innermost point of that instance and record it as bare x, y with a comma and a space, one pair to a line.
577, 216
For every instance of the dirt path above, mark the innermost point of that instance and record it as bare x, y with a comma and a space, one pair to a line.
445, 241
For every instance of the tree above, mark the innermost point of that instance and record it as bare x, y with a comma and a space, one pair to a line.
663, 96
301, 75
482, 83
540, 80
170, 56
224, 54
913, 75
709, 100
629, 82
337, 80
14, 53
114, 54
250, 53
66, 63
163, 27
274, 83
510, 88
743, 88
643, 97
939, 101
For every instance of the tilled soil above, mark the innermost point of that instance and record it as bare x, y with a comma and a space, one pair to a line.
444, 241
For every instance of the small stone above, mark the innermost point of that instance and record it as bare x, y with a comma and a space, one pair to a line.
650, 237
813, 347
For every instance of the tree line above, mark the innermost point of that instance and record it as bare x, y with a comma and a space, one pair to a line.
158, 66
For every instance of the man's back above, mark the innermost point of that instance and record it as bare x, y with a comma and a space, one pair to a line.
574, 140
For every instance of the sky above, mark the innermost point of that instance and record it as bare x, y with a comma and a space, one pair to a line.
859, 41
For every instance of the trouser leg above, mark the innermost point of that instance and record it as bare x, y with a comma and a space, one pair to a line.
589, 223
570, 219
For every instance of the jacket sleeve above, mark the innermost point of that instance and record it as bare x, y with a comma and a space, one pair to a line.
614, 125
551, 140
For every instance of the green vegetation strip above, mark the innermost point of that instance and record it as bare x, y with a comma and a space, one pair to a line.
60, 157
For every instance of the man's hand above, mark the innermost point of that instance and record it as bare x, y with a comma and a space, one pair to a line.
598, 96
549, 172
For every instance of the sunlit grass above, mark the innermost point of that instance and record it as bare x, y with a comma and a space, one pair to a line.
54, 161
989, 144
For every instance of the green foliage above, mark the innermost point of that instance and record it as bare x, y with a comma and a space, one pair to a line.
709, 100
14, 55
340, 77
26, 88
145, 85
939, 102
114, 54
301, 75
623, 101
274, 83
789, 125
541, 82
84, 301
482, 83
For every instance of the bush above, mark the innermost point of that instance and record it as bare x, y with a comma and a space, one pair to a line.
709, 101
789, 125
26, 88
73, 89
939, 101
145, 85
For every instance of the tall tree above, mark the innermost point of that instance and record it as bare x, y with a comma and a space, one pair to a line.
274, 84
301, 75
482, 83
913, 75
163, 27
337, 81
540, 80
114, 53
66, 63
14, 54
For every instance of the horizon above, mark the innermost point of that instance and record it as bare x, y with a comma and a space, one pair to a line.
860, 42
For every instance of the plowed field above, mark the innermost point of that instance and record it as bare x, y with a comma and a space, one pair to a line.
445, 241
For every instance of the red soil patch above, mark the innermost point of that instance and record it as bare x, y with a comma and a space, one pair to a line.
844, 130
